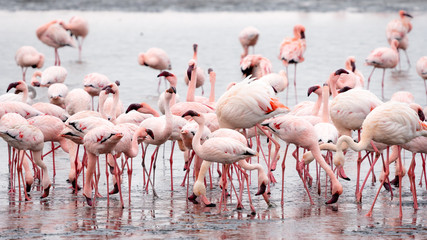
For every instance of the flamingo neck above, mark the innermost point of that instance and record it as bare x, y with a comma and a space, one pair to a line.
316, 107
168, 116
315, 150
102, 98
192, 85
133, 151
212, 77
197, 146
325, 98
116, 98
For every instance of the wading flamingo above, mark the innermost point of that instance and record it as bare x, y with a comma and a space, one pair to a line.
79, 28
248, 37
155, 58
398, 29
28, 56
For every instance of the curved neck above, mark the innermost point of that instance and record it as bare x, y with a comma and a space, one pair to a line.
197, 146
35, 75
319, 158
116, 98
168, 116
316, 107
133, 151
102, 98
203, 169
333, 82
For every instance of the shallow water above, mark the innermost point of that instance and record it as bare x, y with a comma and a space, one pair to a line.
111, 48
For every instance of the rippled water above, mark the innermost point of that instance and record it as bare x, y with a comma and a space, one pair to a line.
111, 48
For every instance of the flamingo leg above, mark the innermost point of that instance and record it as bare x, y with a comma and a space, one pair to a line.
382, 84
295, 84
369, 78
283, 173
411, 175
171, 164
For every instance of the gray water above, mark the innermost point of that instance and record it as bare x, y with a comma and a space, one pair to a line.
111, 48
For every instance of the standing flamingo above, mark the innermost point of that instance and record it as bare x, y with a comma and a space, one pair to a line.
398, 29
100, 140
77, 100
79, 28
28, 137
28, 56
223, 148
248, 37
199, 77
422, 70
54, 35
297, 130
20, 86
291, 52
384, 58
93, 84
51, 75
392, 123
155, 58
255, 65
57, 93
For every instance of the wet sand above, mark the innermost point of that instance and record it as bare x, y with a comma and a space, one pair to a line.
111, 48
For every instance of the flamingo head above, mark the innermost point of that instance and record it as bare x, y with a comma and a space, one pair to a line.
165, 74
340, 71
13, 85
403, 13
344, 89
312, 89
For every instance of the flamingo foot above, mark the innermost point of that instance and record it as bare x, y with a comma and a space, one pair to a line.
239, 206
395, 181
46, 191
88, 200
387, 186
28, 188
261, 190
334, 198
115, 189
342, 174
192, 198
74, 185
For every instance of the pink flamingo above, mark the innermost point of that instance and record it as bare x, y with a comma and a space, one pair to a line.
422, 70
21, 108
100, 140
162, 130
291, 52
193, 84
28, 56
248, 37
155, 58
172, 79
111, 106
57, 93
51, 109
51, 128
79, 28
392, 123
348, 111
51, 75
350, 65
20, 86
77, 100
384, 58
28, 137
398, 29
10, 120
255, 65
200, 74
93, 84
221, 148
54, 35
326, 131
297, 130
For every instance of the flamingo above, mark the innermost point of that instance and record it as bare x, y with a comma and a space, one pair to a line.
172, 79
79, 28
93, 84
348, 111
54, 35
200, 74
350, 65
99, 140
27, 137
51, 109
348, 77
248, 37
297, 130
384, 58
20, 86
155, 58
111, 106
57, 93
392, 123
28, 56
162, 130
77, 100
222, 149
422, 70
10, 120
21, 108
193, 69
51, 75
398, 29
291, 52
255, 65
326, 131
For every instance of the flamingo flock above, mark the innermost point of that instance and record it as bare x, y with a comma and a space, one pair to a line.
210, 132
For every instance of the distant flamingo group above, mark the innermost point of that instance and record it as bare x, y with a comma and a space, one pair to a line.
210, 131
